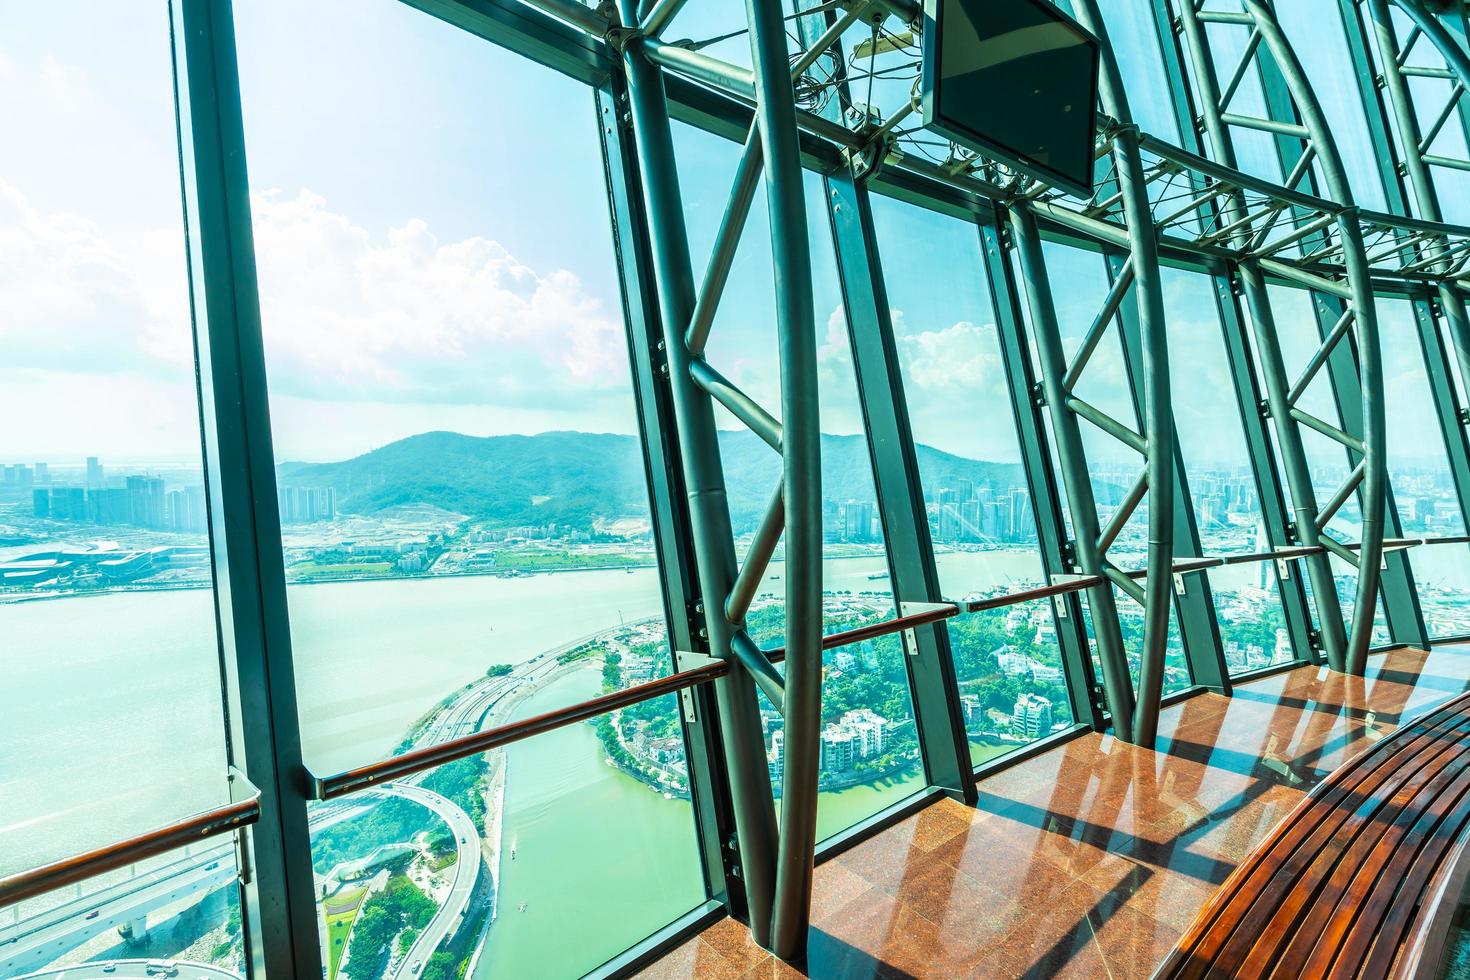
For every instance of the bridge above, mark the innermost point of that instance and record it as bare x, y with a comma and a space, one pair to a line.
40, 938
32, 942
118, 969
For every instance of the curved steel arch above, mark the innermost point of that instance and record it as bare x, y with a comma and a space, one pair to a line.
1369, 478
1135, 714
1414, 144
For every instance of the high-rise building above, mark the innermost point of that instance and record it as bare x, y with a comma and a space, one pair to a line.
1032, 716
95, 476
857, 520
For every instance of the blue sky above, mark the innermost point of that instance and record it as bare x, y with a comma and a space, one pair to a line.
433, 246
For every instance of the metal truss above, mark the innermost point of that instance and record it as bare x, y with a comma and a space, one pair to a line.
834, 85
1447, 258
1335, 250
1135, 717
775, 866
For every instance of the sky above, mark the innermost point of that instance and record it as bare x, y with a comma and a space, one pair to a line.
433, 248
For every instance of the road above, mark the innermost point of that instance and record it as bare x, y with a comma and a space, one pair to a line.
466, 873
41, 938
133, 968
49, 933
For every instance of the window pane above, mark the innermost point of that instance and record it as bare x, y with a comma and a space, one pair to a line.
1424, 490
110, 697
1227, 510
1298, 333
404, 865
981, 518
865, 686
462, 491
183, 906
1315, 28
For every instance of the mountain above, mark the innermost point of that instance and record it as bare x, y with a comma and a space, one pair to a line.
579, 478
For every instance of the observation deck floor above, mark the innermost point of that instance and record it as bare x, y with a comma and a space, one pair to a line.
1091, 859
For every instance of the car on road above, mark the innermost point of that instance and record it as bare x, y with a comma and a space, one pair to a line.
90, 915
109, 968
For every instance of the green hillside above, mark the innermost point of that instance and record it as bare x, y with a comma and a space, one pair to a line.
578, 478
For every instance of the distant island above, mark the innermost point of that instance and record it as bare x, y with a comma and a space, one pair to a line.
582, 479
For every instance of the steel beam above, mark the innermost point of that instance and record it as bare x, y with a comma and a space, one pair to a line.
775, 117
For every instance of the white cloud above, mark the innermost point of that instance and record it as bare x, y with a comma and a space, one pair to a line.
403, 317
350, 317
78, 300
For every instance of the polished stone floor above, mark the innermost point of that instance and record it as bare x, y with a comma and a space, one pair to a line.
1088, 860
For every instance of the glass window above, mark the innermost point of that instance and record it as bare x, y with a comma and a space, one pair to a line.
1133, 31
110, 652
1316, 30
1424, 490
1298, 333
1227, 510
464, 510
110, 698
864, 684
981, 518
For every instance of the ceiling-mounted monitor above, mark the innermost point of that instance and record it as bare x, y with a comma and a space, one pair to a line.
1015, 80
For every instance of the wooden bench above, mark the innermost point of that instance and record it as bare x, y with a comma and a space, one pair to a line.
1358, 879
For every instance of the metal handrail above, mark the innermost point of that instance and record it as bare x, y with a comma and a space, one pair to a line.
429, 757
27, 884
79, 867
386, 770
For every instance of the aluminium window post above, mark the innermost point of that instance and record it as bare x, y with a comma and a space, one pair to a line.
279, 904
1089, 704
928, 660
673, 536
933, 686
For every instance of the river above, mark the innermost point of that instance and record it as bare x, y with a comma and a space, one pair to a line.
112, 721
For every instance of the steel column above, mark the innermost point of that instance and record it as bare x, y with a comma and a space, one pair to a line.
1152, 364
1451, 300
264, 735
750, 789
1269, 489
1294, 94
775, 118
1087, 695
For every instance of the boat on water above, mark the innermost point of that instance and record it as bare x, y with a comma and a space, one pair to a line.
876, 576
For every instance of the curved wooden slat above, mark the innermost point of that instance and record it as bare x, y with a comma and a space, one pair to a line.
1349, 879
